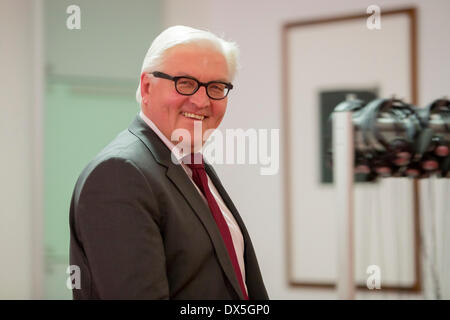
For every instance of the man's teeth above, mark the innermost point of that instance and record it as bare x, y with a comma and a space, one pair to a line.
192, 115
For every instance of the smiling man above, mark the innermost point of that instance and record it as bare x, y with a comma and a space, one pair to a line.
146, 227
182, 100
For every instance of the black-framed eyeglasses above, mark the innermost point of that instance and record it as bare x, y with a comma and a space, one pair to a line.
187, 86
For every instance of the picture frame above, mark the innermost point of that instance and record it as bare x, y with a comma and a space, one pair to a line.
341, 54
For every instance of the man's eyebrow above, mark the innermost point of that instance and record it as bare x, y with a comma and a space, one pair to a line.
183, 74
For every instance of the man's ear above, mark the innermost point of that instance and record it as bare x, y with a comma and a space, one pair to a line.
145, 85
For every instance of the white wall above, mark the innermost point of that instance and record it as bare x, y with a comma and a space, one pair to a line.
16, 167
116, 33
256, 100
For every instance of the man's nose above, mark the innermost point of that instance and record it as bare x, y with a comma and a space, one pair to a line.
200, 98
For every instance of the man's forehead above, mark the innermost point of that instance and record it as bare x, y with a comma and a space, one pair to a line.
194, 59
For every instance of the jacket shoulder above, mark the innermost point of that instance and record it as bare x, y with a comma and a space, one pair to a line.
124, 151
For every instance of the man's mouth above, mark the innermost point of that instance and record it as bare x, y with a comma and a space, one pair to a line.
193, 116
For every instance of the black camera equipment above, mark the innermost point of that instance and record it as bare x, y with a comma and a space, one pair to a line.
396, 139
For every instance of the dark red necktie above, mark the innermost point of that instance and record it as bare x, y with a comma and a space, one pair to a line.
195, 162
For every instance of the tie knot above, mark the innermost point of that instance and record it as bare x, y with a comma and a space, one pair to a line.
194, 161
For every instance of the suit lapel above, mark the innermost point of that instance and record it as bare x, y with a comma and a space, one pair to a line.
190, 193
180, 179
253, 279
226, 198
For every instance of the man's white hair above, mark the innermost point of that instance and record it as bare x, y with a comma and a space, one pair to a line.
177, 35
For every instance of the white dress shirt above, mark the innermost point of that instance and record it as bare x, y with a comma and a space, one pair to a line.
236, 235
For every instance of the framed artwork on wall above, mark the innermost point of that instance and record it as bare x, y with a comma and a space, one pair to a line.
323, 61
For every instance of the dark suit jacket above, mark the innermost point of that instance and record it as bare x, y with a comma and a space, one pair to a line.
139, 229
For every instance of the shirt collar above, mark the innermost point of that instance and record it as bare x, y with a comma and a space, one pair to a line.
173, 148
